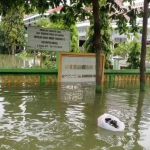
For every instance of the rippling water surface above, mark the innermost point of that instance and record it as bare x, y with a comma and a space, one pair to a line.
64, 117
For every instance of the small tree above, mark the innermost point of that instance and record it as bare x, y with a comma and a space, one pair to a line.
129, 50
123, 49
134, 56
12, 26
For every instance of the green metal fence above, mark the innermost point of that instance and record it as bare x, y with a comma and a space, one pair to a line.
28, 76
20, 76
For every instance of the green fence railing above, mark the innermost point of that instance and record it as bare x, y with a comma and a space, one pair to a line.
8, 76
132, 75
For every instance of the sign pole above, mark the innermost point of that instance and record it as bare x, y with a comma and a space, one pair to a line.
34, 57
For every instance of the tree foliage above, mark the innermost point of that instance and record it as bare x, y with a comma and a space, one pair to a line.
12, 27
130, 51
76, 9
29, 5
134, 55
3, 49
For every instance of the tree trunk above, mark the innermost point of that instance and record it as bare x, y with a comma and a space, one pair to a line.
97, 43
143, 48
13, 49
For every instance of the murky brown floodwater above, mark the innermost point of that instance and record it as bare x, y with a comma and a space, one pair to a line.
11, 61
51, 117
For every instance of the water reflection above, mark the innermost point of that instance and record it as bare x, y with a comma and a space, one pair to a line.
2, 110
44, 117
142, 123
12, 61
71, 93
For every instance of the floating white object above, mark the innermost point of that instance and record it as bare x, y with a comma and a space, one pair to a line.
103, 124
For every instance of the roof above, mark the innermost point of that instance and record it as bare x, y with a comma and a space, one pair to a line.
119, 2
49, 11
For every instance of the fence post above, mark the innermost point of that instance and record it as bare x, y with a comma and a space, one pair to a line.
57, 59
42, 79
57, 63
111, 78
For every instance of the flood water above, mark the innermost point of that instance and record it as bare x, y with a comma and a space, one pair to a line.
12, 61
64, 117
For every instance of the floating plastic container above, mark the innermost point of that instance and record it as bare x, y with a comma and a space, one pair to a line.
107, 124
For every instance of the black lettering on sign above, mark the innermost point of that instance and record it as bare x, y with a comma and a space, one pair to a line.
45, 37
37, 37
52, 38
43, 33
60, 39
41, 45
52, 31
44, 30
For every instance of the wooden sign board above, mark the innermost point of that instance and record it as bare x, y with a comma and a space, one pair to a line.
78, 67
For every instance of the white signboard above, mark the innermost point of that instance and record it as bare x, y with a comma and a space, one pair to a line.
78, 69
48, 39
